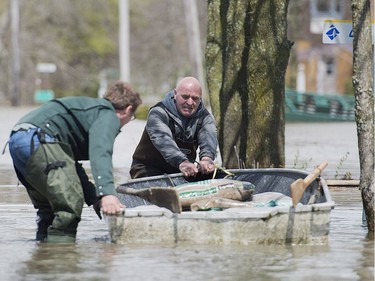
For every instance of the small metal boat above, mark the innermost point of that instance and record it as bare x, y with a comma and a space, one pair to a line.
306, 223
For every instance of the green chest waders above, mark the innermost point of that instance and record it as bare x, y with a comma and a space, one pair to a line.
52, 172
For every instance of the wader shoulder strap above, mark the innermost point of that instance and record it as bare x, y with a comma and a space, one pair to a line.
5, 146
43, 145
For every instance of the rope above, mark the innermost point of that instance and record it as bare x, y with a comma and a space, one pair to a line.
217, 167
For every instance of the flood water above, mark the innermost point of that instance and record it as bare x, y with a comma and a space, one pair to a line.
349, 255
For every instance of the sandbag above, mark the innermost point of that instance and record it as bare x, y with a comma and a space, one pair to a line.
271, 199
266, 199
219, 204
192, 192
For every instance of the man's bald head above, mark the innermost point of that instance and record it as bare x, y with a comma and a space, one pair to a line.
188, 94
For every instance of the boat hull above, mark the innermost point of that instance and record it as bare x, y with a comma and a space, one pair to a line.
144, 223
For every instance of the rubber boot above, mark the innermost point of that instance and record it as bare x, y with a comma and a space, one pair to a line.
45, 218
57, 236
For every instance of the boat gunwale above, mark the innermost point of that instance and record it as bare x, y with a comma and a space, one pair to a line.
238, 173
177, 175
260, 212
240, 213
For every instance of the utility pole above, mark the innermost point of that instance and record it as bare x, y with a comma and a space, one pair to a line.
195, 49
14, 5
124, 40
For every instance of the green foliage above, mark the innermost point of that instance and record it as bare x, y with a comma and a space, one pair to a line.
297, 165
339, 166
87, 90
89, 42
142, 112
92, 35
82, 39
347, 176
83, 45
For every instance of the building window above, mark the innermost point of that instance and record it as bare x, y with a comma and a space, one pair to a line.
330, 8
330, 66
338, 7
321, 10
322, 6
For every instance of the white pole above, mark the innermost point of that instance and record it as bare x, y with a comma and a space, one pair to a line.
301, 78
193, 34
15, 100
373, 49
124, 40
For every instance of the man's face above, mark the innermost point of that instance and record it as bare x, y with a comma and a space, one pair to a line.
187, 102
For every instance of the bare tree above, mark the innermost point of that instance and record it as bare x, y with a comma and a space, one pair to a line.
364, 108
247, 55
83, 43
15, 52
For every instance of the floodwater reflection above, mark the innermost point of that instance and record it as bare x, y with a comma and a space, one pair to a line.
347, 256
70, 261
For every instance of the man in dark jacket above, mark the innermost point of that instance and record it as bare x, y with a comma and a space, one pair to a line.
46, 146
176, 127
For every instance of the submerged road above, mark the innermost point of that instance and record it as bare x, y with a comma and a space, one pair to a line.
306, 145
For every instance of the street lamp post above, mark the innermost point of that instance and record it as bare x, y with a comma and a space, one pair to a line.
124, 40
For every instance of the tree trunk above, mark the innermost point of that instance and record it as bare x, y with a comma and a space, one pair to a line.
247, 55
364, 108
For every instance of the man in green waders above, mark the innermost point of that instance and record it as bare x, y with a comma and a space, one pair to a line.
46, 146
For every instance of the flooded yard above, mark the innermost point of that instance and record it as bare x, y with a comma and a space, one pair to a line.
349, 255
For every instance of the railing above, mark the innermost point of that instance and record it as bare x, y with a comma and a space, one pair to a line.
316, 107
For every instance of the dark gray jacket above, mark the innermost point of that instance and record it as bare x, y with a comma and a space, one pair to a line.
166, 129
